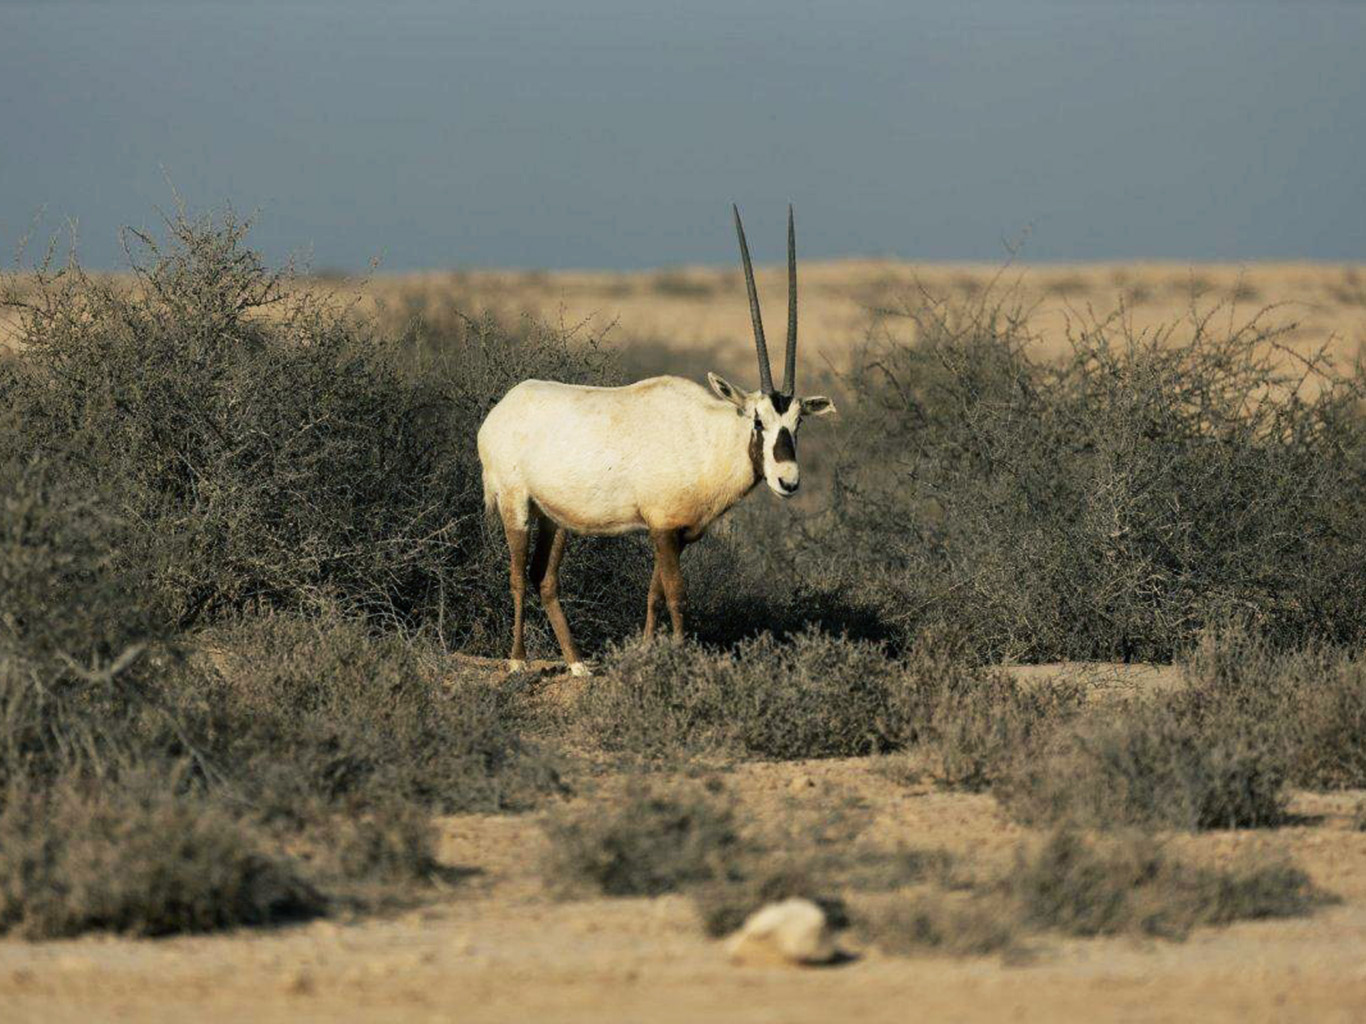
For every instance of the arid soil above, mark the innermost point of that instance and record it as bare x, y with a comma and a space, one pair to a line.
845, 303
499, 945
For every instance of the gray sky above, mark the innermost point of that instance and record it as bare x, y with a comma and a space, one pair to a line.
611, 133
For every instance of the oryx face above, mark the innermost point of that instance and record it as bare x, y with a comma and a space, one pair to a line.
776, 413
775, 419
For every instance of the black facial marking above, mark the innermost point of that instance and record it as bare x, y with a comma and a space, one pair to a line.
783, 448
756, 452
780, 402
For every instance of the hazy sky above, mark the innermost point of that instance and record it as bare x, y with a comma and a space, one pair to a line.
614, 133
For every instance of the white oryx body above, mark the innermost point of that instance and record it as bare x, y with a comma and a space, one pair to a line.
663, 455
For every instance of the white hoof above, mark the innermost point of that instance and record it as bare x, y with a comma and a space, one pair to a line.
579, 669
516, 665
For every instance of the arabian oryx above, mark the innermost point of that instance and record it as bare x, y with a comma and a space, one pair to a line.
663, 455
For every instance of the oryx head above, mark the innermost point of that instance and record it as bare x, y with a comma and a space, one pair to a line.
776, 415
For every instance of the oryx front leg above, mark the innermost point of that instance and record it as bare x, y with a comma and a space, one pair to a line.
669, 574
549, 584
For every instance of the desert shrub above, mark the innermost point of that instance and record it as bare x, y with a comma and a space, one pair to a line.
1078, 888
259, 446
814, 695
309, 710
1155, 765
983, 725
655, 840
1309, 703
142, 857
938, 922
1107, 506
65, 595
79, 633
397, 843
682, 284
315, 736
966, 725
1218, 753
732, 598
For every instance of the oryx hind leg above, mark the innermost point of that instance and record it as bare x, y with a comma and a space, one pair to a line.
515, 525
545, 573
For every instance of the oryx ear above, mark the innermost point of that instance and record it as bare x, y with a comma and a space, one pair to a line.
817, 405
726, 391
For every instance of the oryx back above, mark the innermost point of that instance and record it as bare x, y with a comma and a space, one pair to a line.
659, 454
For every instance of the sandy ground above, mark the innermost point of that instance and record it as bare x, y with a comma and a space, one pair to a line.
845, 303
499, 947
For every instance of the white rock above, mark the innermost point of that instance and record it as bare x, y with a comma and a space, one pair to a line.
794, 931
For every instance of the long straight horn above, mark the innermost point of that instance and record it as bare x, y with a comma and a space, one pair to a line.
790, 364
765, 374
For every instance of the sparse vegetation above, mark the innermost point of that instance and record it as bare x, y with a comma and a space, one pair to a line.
1308, 706
321, 711
243, 530
1110, 506
1073, 887
650, 842
937, 922
1077, 888
1151, 765
263, 447
139, 858
813, 695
